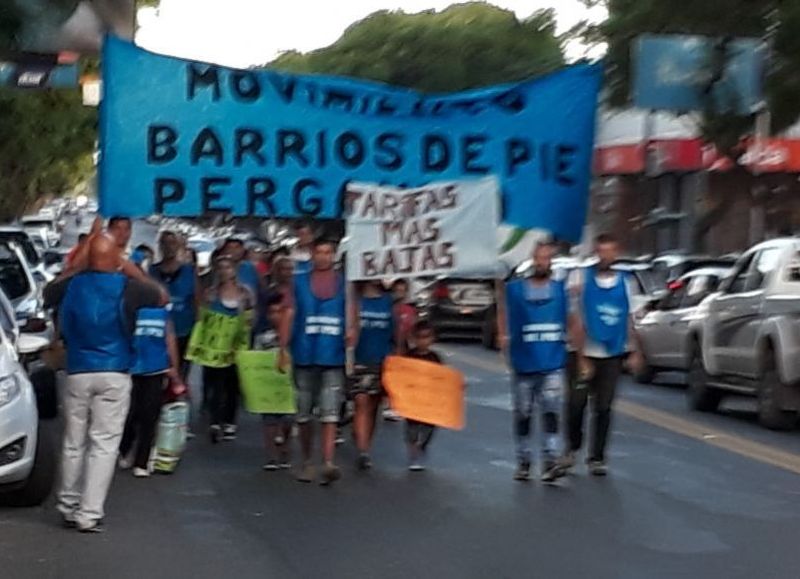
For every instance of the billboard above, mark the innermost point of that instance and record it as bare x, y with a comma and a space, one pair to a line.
55, 26
691, 73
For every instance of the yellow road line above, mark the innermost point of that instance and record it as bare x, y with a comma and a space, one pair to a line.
742, 446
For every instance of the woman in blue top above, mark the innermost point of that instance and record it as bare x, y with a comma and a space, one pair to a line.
377, 326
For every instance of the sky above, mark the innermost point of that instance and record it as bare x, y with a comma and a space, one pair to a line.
242, 33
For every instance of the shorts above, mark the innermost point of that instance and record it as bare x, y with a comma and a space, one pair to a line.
321, 388
365, 381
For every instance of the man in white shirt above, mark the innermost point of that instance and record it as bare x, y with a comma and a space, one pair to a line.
602, 296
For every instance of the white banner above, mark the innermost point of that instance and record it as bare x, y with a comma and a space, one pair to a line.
442, 229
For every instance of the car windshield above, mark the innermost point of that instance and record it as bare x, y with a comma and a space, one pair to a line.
25, 243
13, 278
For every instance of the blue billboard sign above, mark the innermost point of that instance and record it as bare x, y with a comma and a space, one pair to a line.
694, 73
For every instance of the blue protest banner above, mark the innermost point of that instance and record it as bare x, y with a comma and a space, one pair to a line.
184, 138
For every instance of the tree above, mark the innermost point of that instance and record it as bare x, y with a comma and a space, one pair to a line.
46, 144
464, 46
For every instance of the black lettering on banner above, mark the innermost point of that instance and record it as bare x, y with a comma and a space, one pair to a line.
259, 190
471, 152
284, 86
435, 154
202, 77
411, 258
210, 194
368, 265
335, 98
291, 143
342, 197
322, 139
518, 152
545, 160
161, 144
565, 159
311, 206
385, 107
245, 86
350, 150
168, 191
388, 151
248, 142
311, 91
207, 145
448, 258
511, 101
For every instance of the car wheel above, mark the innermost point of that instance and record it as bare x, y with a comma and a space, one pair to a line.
770, 413
701, 396
645, 374
489, 333
40, 481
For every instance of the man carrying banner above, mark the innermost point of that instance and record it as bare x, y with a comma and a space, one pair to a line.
538, 319
314, 327
603, 296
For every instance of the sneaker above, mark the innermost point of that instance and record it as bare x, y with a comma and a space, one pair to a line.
339, 437
416, 466
598, 468
92, 527
568, 461
125, 462
271, 465
216, 433
308, 474
229, 432
552, 471
284, 464
330, 474
523, 472
68, 522
280, 440
364, 462
141, 472
391, 415
190, 435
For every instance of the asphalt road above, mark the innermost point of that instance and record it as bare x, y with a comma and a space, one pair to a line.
689, 495
676, 505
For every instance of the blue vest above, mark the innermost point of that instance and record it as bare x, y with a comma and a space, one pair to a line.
537, 329
93, 325
318, 333
150, 351
181, 295
302, 266
605, 312
377, 330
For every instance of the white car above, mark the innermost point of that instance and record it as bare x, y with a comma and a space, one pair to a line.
36, 224
27, 406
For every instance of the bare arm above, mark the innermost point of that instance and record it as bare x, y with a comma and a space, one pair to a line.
502, 326
399, 341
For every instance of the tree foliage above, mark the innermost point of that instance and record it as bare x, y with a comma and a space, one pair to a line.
769, 19
46, 144
465, 46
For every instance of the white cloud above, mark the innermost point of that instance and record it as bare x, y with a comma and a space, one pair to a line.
247, 32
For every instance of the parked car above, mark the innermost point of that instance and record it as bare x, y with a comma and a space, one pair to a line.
458, 308
19, 285
28, 407
667, 268
750, 336
664, 330
34, 257
35, 224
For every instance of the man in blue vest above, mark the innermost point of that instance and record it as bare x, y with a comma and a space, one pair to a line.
181, 281
246, 271
314, 330
603, 297
97, 313
538, 322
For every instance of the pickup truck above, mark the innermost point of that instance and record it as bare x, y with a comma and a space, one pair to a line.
749, 336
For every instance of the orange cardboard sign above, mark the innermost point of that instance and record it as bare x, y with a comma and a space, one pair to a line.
425, 391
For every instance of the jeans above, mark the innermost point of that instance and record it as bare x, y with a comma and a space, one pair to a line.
95, 408
222, 385
321, 388
601, 388
140, 428
545, 390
